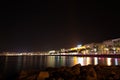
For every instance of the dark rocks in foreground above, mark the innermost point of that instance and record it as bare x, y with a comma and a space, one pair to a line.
76, 72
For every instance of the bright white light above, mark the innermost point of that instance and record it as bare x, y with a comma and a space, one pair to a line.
109, 61
95, 60
114, 48
116, 61
79, 45
80, 60
53, 51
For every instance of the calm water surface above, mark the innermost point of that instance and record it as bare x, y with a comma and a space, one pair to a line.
9, 65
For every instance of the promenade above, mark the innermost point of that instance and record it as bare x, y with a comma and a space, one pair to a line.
65, 54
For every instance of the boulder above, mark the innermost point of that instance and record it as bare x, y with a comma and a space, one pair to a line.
43, 75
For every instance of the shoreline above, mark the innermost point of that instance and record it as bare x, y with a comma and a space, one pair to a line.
89, 55
78, 55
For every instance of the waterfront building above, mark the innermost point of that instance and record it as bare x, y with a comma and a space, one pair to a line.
106, 47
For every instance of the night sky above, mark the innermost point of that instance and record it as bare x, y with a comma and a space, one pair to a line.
47, 25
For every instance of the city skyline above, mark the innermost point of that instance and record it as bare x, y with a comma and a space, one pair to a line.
47, 25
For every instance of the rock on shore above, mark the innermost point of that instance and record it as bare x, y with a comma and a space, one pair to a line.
76, 72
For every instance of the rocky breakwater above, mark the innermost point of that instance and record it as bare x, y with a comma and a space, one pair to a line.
76, 72
90, 72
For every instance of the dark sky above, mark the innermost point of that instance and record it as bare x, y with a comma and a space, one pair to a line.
45, 25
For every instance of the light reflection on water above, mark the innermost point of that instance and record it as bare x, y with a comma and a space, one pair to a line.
41, 62
12, 64
109, 61
116, 61
57, 61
